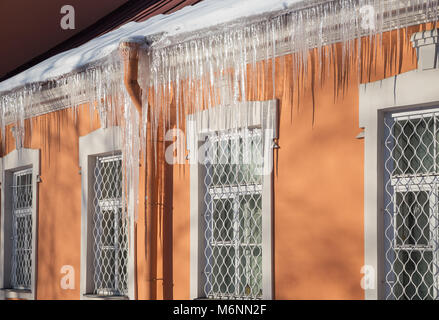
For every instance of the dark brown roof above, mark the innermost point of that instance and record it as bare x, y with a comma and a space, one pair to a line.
133, 10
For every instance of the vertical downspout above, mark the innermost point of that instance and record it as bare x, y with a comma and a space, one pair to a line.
130, 54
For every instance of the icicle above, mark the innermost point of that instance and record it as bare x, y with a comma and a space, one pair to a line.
211, 68
186, 74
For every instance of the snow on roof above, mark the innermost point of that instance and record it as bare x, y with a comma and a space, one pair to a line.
191, 18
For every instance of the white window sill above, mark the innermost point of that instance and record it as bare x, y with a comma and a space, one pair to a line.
17, 294
98, 297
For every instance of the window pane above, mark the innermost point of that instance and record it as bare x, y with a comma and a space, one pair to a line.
250, 252
111, 174
22, 254
110, 228
107, 228
223, 270
256, 162
250, 216
105, 274
23, 191
234, 215
236, 159
414, 146
414, 274
223, 220
222, 161
22, 229
250, 270
412, 218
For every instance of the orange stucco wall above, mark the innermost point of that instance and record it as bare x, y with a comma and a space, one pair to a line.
59, 202
318, 186
318, 199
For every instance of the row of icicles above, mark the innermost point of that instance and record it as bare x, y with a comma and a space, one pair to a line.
216, 67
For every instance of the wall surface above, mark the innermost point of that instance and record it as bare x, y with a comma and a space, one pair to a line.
59, 203
318, 185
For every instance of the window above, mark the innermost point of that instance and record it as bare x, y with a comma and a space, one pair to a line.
231, 201
110, 228
107, 236
20, 176
411, 207
233, 217
399, 115
21, 270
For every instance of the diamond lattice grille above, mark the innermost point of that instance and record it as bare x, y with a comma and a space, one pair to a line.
110, 228
233, 215
22, 229
411, 205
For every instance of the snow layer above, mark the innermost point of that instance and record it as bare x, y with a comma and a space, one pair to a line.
191, 18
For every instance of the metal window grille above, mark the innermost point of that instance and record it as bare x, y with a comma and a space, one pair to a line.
411, 169
21, 270
110, 228
233, 215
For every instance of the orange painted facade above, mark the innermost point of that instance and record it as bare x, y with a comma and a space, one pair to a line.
318, 186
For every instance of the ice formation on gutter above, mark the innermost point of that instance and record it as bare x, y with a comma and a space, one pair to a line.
191, 65
191, 18
216, 66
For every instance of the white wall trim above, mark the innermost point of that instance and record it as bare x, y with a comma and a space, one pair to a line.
261, 114
99, 142
407, 91
15, 161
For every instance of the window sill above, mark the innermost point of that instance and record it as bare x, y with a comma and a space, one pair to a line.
17, 294
98, 297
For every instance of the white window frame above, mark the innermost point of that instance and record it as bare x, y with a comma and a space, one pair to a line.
101, 142
261, 114
13, 162
410, 91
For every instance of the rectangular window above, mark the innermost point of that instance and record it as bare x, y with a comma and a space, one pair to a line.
18, 223
231, 186
110, 230
411, 205
233, 217
21, 271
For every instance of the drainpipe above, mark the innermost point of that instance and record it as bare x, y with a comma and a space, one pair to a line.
130, 54
129, 51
